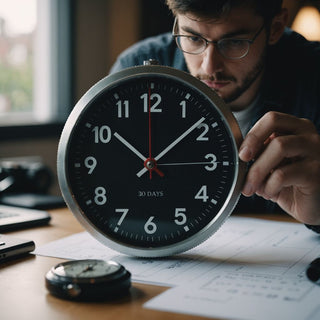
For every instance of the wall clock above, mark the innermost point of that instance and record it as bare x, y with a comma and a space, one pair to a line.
148, 161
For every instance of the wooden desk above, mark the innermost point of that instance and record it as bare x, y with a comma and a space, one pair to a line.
22, 286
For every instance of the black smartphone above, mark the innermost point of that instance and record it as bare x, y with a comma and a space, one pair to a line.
12, 247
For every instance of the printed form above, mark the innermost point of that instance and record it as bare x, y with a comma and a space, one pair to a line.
249, 269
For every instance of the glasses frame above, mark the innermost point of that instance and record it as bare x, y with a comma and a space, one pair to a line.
215, 43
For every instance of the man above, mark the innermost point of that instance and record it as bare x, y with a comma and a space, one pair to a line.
270, 78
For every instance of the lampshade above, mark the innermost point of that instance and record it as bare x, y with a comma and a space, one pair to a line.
307, 23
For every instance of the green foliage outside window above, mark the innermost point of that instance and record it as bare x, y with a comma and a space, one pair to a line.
16, 86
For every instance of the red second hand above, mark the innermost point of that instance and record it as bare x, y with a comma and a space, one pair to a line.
151, 163
149, 111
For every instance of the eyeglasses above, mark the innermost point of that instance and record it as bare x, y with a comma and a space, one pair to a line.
230, 48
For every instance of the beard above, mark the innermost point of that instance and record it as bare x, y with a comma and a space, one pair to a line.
242, 85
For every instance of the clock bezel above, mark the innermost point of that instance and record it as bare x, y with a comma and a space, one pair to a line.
80, 108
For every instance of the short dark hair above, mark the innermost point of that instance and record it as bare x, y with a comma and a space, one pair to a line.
218, 8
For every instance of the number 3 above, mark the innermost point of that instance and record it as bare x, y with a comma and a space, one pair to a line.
213, 162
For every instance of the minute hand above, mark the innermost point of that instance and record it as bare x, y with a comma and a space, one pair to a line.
174, 143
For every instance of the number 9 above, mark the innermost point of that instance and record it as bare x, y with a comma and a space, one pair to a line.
90, 163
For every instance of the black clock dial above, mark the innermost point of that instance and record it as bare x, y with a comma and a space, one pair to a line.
151, 163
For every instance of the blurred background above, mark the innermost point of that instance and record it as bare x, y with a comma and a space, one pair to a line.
53, 51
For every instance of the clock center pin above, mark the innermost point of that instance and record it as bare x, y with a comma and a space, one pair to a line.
150, 164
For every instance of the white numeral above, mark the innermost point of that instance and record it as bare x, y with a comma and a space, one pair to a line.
102, 134
183, 105
202, 194
205, 129
90, 163
181, 217
123, 109
124, 213
100, 196
153, 96
213, 162
150, 227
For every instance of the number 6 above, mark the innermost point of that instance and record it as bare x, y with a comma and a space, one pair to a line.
150, 227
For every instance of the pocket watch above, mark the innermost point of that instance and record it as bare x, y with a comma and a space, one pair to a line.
88, 280
148, 161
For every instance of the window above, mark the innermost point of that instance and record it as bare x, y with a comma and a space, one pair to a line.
35, 68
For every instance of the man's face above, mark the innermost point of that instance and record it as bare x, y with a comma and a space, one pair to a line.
235, 81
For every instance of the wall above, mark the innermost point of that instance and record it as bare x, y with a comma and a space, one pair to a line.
102, 30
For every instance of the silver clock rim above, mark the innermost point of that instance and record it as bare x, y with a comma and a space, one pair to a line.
107, 276
234, 131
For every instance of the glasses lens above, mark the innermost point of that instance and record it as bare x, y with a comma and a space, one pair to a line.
233, 48
193, 45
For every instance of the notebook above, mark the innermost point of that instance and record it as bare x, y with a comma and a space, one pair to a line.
12, 218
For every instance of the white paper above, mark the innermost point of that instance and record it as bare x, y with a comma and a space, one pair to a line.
250, 269
234, 296
78, 246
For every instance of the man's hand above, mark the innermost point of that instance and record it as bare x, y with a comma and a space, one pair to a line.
286, 164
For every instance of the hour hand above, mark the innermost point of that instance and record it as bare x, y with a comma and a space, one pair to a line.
149, 163
130, 146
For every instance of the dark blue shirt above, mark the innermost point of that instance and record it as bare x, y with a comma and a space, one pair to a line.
291, 82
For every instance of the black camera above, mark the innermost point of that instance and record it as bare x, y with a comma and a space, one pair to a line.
24, 177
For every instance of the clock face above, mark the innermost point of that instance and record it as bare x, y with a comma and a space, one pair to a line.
82, 269
148, 161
